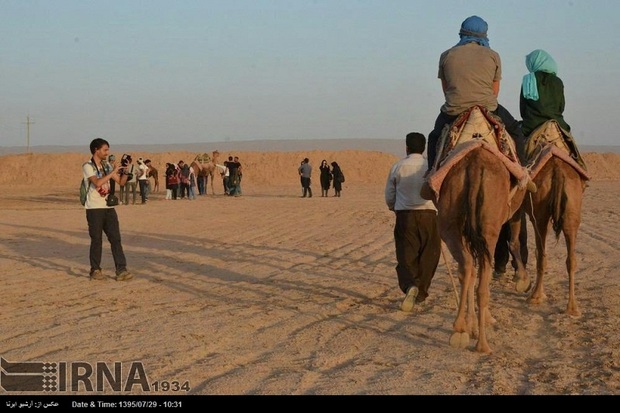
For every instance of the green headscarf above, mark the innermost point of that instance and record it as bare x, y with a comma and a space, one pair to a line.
537, 61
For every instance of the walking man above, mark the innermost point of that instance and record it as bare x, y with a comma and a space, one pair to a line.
416, 233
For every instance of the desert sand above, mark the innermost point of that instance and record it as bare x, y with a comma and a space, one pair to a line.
272, 294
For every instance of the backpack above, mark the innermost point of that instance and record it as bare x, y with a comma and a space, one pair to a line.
83, 192
341, 176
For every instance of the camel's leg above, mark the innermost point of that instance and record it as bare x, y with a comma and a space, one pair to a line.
211, 178
571, 264
472, 320
523, 282
483, 306
460, 337
540, 227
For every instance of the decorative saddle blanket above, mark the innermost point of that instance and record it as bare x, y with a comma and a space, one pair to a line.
549, 140
474, 128
476, 123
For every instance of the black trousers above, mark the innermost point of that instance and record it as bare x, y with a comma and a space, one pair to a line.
305, 183
100, 221
513, 127
418, 247
502, 250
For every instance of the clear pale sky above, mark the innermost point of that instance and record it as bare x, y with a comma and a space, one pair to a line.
165, 71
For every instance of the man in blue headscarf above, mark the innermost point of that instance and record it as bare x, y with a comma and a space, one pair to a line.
470, 74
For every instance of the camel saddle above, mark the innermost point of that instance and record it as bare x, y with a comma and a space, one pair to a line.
476, 123
548, 140
474, 128
203, 158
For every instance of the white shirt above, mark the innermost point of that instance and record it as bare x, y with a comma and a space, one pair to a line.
144, 170
94, 199
223, 169
402, 190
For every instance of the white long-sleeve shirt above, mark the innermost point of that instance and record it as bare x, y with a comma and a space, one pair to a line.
402, 190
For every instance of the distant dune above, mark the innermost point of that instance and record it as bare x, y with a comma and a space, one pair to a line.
267, 165
391, 146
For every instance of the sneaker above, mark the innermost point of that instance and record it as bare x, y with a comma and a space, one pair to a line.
97, 275
409, 301
124, 275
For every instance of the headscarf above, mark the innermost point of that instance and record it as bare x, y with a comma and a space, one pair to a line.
537, 61
474, 29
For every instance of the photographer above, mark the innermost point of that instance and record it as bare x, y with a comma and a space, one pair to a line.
100, 213
130, 186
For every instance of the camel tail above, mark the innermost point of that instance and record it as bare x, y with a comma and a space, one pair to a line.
558, 201
472, 231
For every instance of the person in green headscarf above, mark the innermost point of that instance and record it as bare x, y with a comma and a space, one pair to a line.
542, 93
542, 99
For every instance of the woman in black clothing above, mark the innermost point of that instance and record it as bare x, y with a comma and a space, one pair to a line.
337, 177
326, 177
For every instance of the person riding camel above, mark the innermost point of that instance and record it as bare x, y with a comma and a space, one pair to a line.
470, 74
542, 99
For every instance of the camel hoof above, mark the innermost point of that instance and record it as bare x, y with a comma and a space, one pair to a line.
573, 312
523, 286
536, 299
459, 340
483, 348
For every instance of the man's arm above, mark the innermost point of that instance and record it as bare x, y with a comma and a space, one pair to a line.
444, 86
97, 182
390, 191
496, 88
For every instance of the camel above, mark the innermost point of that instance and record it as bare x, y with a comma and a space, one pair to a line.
204, 167
561, 180
153, 173
477, 188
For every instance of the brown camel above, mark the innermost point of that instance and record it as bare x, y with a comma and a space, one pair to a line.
561, 181
153, 173
204, 167
478, 188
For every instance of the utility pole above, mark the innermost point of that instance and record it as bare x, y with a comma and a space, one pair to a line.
28, 123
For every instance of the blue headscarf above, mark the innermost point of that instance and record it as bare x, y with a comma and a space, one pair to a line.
474, 29
537, 61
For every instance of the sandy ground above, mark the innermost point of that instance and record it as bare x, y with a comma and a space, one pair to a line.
270, 293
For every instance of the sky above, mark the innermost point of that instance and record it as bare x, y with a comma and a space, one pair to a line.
186, 71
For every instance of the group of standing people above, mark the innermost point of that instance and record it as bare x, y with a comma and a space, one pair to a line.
328, 176
138, 180
470, 74
231, 172
180, 181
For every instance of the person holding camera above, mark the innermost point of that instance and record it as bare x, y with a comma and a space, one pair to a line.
100, 213
130, 185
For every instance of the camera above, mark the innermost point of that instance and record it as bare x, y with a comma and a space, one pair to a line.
125, 159
111, 158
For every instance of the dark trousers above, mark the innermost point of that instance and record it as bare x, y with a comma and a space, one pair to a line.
201, 181
502, 250
305, 183
143, 188
418, 246
184, 190
513, 127
100, 221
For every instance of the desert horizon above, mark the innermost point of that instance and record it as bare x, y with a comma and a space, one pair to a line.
273, 294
